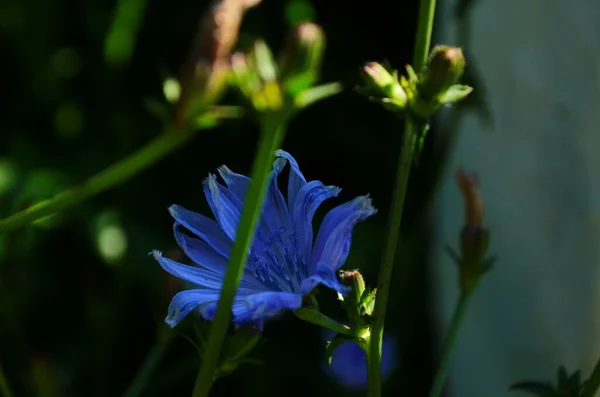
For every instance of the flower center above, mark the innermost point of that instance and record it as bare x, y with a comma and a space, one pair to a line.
277, 261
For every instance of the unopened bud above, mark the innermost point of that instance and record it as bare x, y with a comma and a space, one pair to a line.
383, 85
262, 59
356, 282
301, 58
359, 301
443, 70
474, 238
204, 76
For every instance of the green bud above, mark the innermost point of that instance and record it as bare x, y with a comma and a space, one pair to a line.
255, 75
360, 300
383, 86
204, 77
264, 62
356, 282
240, 74
300, 61
444, 68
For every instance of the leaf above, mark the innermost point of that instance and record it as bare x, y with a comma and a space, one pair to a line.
455, 94
312, 95
367, 301
120, 40
535, 388
562, 378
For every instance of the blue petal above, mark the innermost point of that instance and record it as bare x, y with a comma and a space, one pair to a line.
255, 307
203, 227
237, 183
325, 275
309, 198
193, 274
275, 214
224, 204
203, 254
296, 179
198, 275
335, 235
186, 301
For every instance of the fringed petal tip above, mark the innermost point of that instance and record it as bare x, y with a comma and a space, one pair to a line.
174, 210
223, 169
366, 202
210, 181
187, 301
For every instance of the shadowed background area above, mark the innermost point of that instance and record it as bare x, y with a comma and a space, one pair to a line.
81, 302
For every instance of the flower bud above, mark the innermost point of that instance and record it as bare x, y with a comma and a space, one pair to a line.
255, 75
204, 75
384, 86
443, 70
474, 238
356, 282
301, 58
468, 185
359, 302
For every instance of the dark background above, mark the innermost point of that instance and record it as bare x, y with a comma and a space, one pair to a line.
73, 323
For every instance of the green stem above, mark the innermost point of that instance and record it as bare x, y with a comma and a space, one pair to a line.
272, 132
110, 177
457, 318
421, 51
314, 316
385, 273
593, 382
424, 31
4, 389
151, 362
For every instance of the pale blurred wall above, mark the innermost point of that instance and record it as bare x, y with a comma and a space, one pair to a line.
539, 164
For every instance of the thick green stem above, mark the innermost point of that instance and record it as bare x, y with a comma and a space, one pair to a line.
149, 366
593, 384
4, 389
110, 177
421, 51
272, 133
457, 319
389, 253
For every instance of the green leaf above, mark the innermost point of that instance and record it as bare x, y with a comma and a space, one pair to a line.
312, 95
213, 116
120, 40
367, 301
562, 377
535, 388
455, 94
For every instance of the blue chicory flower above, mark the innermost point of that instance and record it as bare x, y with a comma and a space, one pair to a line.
283, 263
349, 366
